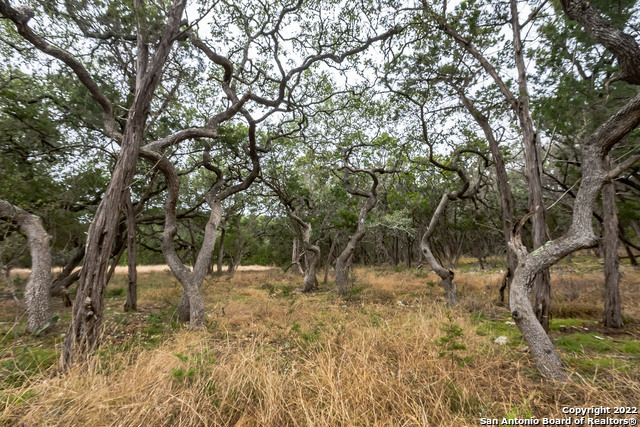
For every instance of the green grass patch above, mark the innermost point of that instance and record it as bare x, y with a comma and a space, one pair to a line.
353, 293
156, 323
556, 324
478, 317
286, 291
591, 365
115, 292
579, 343
494, 329
592, 343
279, 291
28, 362
193, 366
376, 320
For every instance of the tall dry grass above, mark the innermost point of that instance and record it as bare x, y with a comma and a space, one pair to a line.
271, 356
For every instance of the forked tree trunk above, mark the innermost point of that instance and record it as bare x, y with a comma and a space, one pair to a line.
36, 293
191, 306
612, 310
446, 276
343, 263
311, 251
520, 106
344, 260
131, 304
310, 282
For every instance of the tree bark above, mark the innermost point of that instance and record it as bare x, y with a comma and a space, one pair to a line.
191, 306
296, 268
310, 282
118, 249
223, 232
328, 265
131, 304
67, 276
312, 252
520, 106
396, 250
636, 228
36, 294
612, 303
236, 260
622, 45
542, 350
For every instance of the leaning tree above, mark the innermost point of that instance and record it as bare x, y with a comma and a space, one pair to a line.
595, 148
36, 293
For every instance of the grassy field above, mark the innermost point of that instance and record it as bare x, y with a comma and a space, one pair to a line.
388, 354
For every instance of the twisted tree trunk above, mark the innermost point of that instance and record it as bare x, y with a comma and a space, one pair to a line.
343, 262
36, 293
296, 268
191, 306
580, 235
445, 275
312, 253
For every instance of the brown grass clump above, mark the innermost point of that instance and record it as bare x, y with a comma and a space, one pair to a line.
387, 354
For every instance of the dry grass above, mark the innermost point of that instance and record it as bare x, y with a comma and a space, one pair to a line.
273, 356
